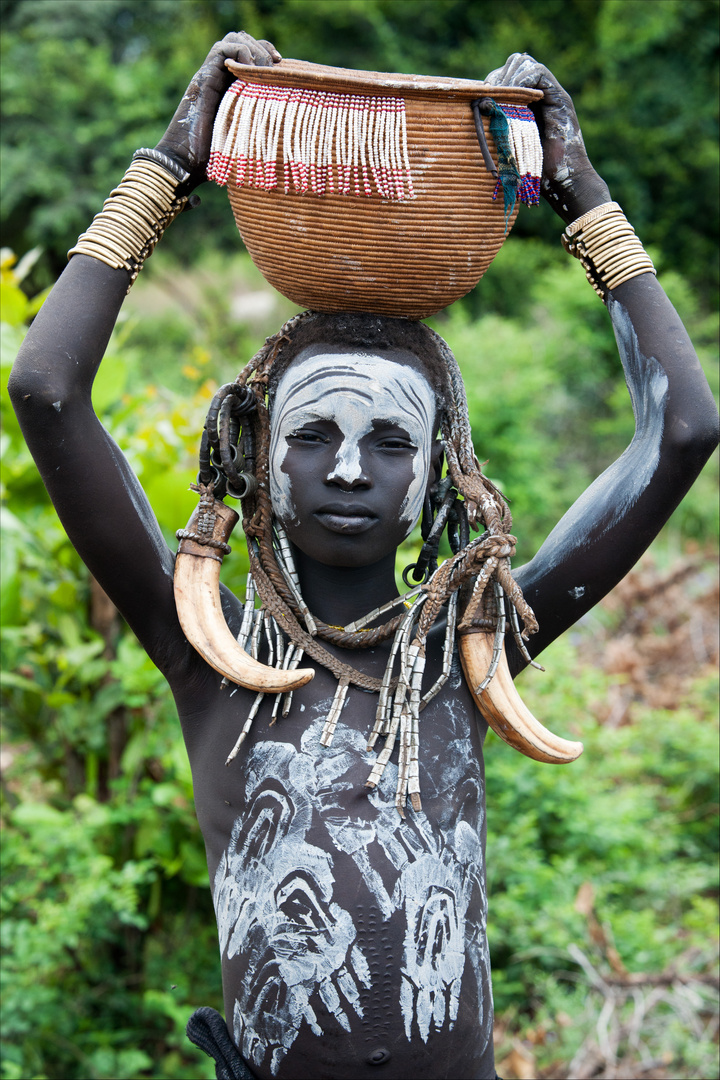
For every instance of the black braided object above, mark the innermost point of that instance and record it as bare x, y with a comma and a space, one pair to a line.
207, 1029
219, 451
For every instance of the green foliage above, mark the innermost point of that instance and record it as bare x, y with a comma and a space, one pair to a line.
81, 91
639, 798
55, 927
635, 819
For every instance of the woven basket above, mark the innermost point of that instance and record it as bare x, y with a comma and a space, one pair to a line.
411, 258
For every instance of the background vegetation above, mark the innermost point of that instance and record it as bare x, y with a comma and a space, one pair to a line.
602, 876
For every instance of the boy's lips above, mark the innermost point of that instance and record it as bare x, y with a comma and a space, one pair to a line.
341, 518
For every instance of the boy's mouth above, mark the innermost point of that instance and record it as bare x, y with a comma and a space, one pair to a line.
339, 518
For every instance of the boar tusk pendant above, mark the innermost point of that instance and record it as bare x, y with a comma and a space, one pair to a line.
197, 599
503, 708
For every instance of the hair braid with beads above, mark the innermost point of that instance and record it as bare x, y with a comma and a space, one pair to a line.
477, 575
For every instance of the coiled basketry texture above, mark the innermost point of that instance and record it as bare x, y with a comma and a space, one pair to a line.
337, 244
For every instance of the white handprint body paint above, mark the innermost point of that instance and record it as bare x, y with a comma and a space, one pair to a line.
354, 391
274, 893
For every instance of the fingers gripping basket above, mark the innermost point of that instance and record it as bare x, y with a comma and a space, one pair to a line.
362, 191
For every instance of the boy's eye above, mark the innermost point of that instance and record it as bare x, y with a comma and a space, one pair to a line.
307, 436
396, 443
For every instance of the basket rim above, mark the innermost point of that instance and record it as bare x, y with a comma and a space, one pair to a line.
290, 72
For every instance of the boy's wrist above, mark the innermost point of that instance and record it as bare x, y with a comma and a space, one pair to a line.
589, 190
178, 160
166, 159
136, 214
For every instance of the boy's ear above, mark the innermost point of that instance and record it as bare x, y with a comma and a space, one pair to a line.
437, 458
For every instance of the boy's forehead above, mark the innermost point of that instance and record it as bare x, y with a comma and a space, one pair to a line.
336, 351
321, 377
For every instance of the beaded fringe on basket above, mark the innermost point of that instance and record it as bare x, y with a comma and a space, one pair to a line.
525, 144
347, 144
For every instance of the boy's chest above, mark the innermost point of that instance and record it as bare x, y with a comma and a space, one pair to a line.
283, 776
330, 907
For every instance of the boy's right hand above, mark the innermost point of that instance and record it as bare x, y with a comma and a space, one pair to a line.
569, 182
188, 138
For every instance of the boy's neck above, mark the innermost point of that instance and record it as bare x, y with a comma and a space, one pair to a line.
340, 594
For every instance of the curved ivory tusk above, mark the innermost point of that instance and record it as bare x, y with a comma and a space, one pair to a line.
504, 709
197, 599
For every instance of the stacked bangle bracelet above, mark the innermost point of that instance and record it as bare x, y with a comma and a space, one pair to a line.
605, 243
134, 217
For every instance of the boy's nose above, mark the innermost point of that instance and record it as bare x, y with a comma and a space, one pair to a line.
348, 471
348, 481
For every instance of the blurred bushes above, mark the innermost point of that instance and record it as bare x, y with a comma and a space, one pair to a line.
616, 856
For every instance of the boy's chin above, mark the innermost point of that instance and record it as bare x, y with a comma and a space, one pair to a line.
345, 553
344, 542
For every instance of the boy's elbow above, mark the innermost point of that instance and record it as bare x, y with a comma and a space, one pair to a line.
22, 386
33, 385
693, 438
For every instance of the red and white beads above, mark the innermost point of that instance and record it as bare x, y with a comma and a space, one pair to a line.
525, 141
347, 144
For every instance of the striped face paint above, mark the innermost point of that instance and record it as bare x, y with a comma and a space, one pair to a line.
355, 391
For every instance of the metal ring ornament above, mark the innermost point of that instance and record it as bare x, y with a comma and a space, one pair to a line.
219, 449
212, 476
228, 451
205, 465
244, 402
426, 565
249, 486
211, 421
229, 423
433, 537
420, 581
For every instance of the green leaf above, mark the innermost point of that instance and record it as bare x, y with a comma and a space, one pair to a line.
13, 304
19, 682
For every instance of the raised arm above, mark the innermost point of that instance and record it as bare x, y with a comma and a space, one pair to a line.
95, 493
604, 533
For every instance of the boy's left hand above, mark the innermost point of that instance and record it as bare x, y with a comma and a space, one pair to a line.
569, 182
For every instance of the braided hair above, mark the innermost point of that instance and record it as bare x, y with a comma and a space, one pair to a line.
476, 579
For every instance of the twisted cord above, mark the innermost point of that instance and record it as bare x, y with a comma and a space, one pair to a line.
479, 559
472, 568
286, 620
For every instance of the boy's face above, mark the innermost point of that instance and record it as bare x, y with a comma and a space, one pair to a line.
350, 453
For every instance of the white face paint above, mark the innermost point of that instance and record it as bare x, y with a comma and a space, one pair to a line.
354, 391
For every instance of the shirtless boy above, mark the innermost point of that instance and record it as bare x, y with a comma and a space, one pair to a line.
351, 938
